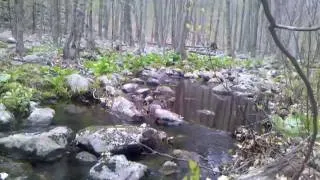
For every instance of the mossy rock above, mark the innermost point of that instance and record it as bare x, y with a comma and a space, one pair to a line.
15, 169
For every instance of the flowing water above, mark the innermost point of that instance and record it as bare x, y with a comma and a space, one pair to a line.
206, 133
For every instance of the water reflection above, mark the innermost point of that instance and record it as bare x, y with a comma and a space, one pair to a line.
200, 104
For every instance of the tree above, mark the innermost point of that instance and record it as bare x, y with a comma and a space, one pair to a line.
314, 107
19, 28
228, 29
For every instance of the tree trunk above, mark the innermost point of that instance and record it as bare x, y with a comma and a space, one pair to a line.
56, 22
90, 41
100, 18
66, 15
228, 29
19, 28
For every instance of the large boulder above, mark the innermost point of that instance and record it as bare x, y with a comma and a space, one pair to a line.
86, 157
6, 118
117, 167
78, 83
120, 139
41, 117
33, 58
130, 87
124, 108
41, 145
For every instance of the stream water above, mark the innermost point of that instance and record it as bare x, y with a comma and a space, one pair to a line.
207, 133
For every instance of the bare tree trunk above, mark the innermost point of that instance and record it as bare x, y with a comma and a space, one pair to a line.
56, 22
128, 23
34, 16
19, 28
66, 15
101, 6
90, 41
242, 25
255, 23
106, 18
211, 20
228, 29
217, 25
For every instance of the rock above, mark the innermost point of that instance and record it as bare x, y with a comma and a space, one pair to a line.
206, 112
130, 87
86, 157
169, 168
215, 80
167, 118
6, 118
117, 167
222, 89
41, 117
78, 83
13, 169
124, 108
43, 146
165, 90
183, 154
190, 75
143, 91
120, 139
148, 99
153, 82
7, 37
137, 81
111, 91
206, 76
33, 59
33, 105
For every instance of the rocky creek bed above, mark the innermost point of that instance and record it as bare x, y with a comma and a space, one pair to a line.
187, 116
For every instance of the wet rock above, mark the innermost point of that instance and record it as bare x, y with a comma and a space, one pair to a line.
222, 89
6, 118
14, 169
165, 90
33, 105
41, 117
143, 91
183, 154
120, 139
148, 99
137, 81
206, 112
126, 109
78, 83
86, 157
117, 167
153, 82
206, 76
167, 118
130, 87
169, 168
215, 80
190, 75
41, 145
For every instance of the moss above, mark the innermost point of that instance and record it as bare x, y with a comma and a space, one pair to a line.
3, 45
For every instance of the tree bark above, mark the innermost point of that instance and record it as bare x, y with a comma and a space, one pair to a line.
19, 28
228, 28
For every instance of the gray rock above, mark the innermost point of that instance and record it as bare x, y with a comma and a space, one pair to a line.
33, 59
153, 82
41, 117
168, 118
33, 105
206, 75
130, 87
14, 169
143, 91
190, 75
86, 157
120, 139
74, 109
137, 81
222, 89
165, 90
6, 118
111, 91
169, 168
114, 80
7, 37
44, 146
78, 83
183, 154
117, 167
126, 109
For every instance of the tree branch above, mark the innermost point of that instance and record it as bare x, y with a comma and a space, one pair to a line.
302, 75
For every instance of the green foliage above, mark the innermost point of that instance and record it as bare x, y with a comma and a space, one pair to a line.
294, 125
21, 84
194, 171
103, 65
16, 97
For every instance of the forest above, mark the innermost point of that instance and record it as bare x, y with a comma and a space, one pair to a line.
159, 89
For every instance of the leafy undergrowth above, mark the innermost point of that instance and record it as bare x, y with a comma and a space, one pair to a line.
21, 84
115, 62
